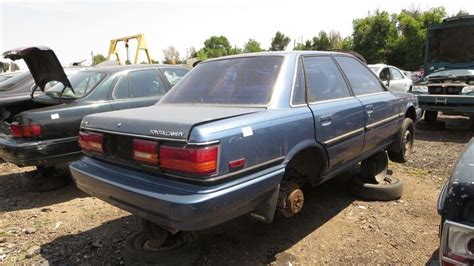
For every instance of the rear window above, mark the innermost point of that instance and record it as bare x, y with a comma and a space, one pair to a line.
82, 82
9, 83
241, 81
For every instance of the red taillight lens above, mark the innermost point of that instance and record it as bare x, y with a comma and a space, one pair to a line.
25, 131
201, 161
91, 141
145, 151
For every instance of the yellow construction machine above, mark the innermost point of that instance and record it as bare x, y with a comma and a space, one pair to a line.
140, 46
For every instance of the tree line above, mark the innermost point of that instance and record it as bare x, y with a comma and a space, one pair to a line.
395, 39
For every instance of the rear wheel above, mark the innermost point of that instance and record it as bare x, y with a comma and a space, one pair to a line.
431, 116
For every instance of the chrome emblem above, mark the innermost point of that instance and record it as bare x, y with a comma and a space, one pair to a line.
119, 124
164, 133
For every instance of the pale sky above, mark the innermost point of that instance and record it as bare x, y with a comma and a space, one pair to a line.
75, 28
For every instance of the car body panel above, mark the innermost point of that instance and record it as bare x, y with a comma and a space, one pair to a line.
397, 83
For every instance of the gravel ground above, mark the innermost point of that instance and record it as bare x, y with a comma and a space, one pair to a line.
69, 227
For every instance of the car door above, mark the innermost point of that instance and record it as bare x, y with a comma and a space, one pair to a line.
138, 88
397, 81
382, 114
338, 115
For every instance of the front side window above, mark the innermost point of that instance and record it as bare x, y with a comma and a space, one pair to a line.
324, 80
146, 83
232, 81
174, 74
395, 74
361, 79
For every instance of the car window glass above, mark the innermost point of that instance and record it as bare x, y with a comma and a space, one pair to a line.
102, 90
298, 91
395, 73
146, 83
242, 81
121, 88
384, 74
324, 80
174, 74
362, 80
82, 82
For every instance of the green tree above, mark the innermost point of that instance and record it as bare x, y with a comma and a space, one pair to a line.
461, 13
307, 46
252, 46
322, 42
372, 35
97, 59
279, 42
406, 50
216, 46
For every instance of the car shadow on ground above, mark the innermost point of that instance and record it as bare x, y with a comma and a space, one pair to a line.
14, 196
434, 260
448, 129
241, 241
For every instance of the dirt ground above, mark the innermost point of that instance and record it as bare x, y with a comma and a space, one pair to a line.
69, 227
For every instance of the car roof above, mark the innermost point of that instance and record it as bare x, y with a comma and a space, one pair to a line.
279, 53
113, 69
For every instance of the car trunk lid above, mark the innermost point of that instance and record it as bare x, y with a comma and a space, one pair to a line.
43, 64
162, 121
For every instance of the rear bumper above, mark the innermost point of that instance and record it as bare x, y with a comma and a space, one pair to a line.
39, 152
171, 203
463, 104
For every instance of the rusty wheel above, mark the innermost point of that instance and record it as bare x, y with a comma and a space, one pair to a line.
291, 200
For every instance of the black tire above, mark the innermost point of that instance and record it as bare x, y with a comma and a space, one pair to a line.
391, 189
400, 151
180, 249
376, 164
431, 116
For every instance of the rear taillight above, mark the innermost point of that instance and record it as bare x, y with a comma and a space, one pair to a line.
145, 151
201, 160
91, 141
25, 131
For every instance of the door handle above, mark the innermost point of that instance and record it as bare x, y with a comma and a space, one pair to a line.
369, 109
325, 120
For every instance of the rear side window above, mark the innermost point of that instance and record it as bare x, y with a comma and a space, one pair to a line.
174, 74
298, 91
146, 83
362, 80
241, 81
323, 79
121, 90
395, 74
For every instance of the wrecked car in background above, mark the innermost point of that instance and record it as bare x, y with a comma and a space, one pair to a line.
241, 134
47, 137
456, 207
448, 84
394, 78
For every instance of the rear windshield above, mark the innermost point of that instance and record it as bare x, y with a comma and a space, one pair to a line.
82, 82
242, 81
17, 78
